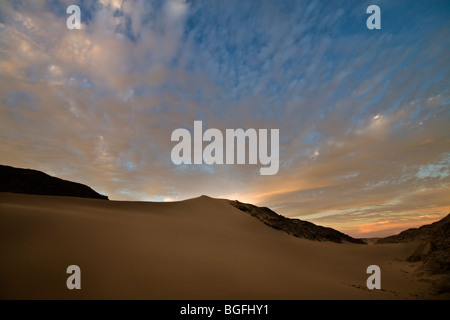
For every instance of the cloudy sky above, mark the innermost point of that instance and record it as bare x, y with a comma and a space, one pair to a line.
363, 114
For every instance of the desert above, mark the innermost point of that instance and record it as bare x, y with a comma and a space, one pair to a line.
202, 248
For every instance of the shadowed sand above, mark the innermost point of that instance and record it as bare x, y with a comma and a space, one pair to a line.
202, 248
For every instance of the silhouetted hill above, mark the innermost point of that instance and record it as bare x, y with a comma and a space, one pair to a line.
295, 227
29, 181
433, 248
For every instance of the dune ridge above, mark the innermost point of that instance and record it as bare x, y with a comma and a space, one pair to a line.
202, 248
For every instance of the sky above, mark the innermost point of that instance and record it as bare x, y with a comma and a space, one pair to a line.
363, 115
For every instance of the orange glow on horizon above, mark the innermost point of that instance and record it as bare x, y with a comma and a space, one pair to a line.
390, 227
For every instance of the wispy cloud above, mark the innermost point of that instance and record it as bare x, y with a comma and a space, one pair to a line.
363, 115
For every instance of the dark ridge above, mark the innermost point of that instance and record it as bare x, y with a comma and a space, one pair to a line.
433, 248
295, 227
16, 180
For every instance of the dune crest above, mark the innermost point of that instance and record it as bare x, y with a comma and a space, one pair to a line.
202, 248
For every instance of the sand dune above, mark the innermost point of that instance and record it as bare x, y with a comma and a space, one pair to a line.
202, 248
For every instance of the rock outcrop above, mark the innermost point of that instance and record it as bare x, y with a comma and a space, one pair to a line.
16, 180
433, 245
295, 227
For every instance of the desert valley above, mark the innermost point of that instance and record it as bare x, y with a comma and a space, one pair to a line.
202, 248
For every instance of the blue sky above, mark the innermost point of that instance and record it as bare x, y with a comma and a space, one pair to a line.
363, 114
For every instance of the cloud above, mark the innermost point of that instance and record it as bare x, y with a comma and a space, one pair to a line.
363, 115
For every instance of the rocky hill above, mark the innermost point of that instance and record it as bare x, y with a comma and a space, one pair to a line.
433, 245
16, 180
295, 227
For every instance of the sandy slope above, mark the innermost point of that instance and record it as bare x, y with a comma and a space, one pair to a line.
197, 249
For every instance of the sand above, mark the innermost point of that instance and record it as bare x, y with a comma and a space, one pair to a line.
201, 248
